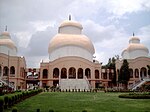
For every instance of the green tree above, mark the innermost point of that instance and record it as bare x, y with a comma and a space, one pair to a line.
111, 65
124, 73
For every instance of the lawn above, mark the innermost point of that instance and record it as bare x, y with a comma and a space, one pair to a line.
77, 102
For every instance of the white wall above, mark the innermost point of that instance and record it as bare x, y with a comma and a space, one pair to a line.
5, 50
70, 51
70, 30
134, 54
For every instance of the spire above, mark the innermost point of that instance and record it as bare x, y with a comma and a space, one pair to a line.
133, 34
6, 28
69, 17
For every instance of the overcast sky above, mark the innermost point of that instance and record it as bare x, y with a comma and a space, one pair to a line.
108, 23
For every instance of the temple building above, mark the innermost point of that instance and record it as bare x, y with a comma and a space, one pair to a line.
71, 63
138, 58
12, 67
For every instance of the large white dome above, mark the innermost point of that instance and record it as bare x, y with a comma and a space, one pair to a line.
135, 49
7, 45
70, 42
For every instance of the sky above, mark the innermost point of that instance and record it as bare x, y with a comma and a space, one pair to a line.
108, 23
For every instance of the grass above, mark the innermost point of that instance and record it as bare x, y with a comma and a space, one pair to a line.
76, 102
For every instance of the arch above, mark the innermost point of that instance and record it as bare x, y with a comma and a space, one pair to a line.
63, 73
45, 73
5, 71
131, 72
55, 73
12, 70
110, 75
80, 73
72, 73
88, 73
0, 71
136, 73
96, 74
143, 72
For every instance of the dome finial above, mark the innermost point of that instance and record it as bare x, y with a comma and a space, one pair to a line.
133, 34
69, 17
6, 28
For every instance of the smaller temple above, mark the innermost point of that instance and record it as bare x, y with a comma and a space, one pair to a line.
138, 58
12, 67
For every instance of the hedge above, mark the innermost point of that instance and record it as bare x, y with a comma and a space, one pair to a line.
136, 95
10, 99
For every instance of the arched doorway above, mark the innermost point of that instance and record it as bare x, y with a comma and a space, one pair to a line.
63, 73
56, 73
72, 73
0, 71
12, 70
45, 73
96, 74
5, 71
136, 73
143, 72
131, 72
80, 73
88, 73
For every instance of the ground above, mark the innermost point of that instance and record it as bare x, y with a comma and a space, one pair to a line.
79, 101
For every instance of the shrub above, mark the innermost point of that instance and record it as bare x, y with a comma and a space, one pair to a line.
1, 105
51, 110
5, 101
14, 109
9, 101
84, 110
38, 110
135, 96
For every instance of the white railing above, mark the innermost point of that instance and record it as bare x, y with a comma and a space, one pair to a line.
10, 85
139, 83
89, 86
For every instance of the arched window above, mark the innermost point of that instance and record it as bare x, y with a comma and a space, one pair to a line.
96, 74
110, 75
45, 73
0, 71
5, 71
12, 70
131, 72
72, 73
136, 73
88, 73
143, 72
63, 73
56, 73
80, 73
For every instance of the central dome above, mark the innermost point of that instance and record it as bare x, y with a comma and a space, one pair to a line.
71, 42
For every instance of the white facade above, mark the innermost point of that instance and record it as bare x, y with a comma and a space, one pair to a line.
70, 51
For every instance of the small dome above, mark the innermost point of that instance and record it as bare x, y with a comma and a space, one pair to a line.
5, 40
71, 23
133, 47
61, 40
134, 40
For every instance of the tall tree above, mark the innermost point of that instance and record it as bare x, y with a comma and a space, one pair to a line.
124, 73
113, 64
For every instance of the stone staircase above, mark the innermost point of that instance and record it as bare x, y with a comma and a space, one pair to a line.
5, 83
71, 84
139, 83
